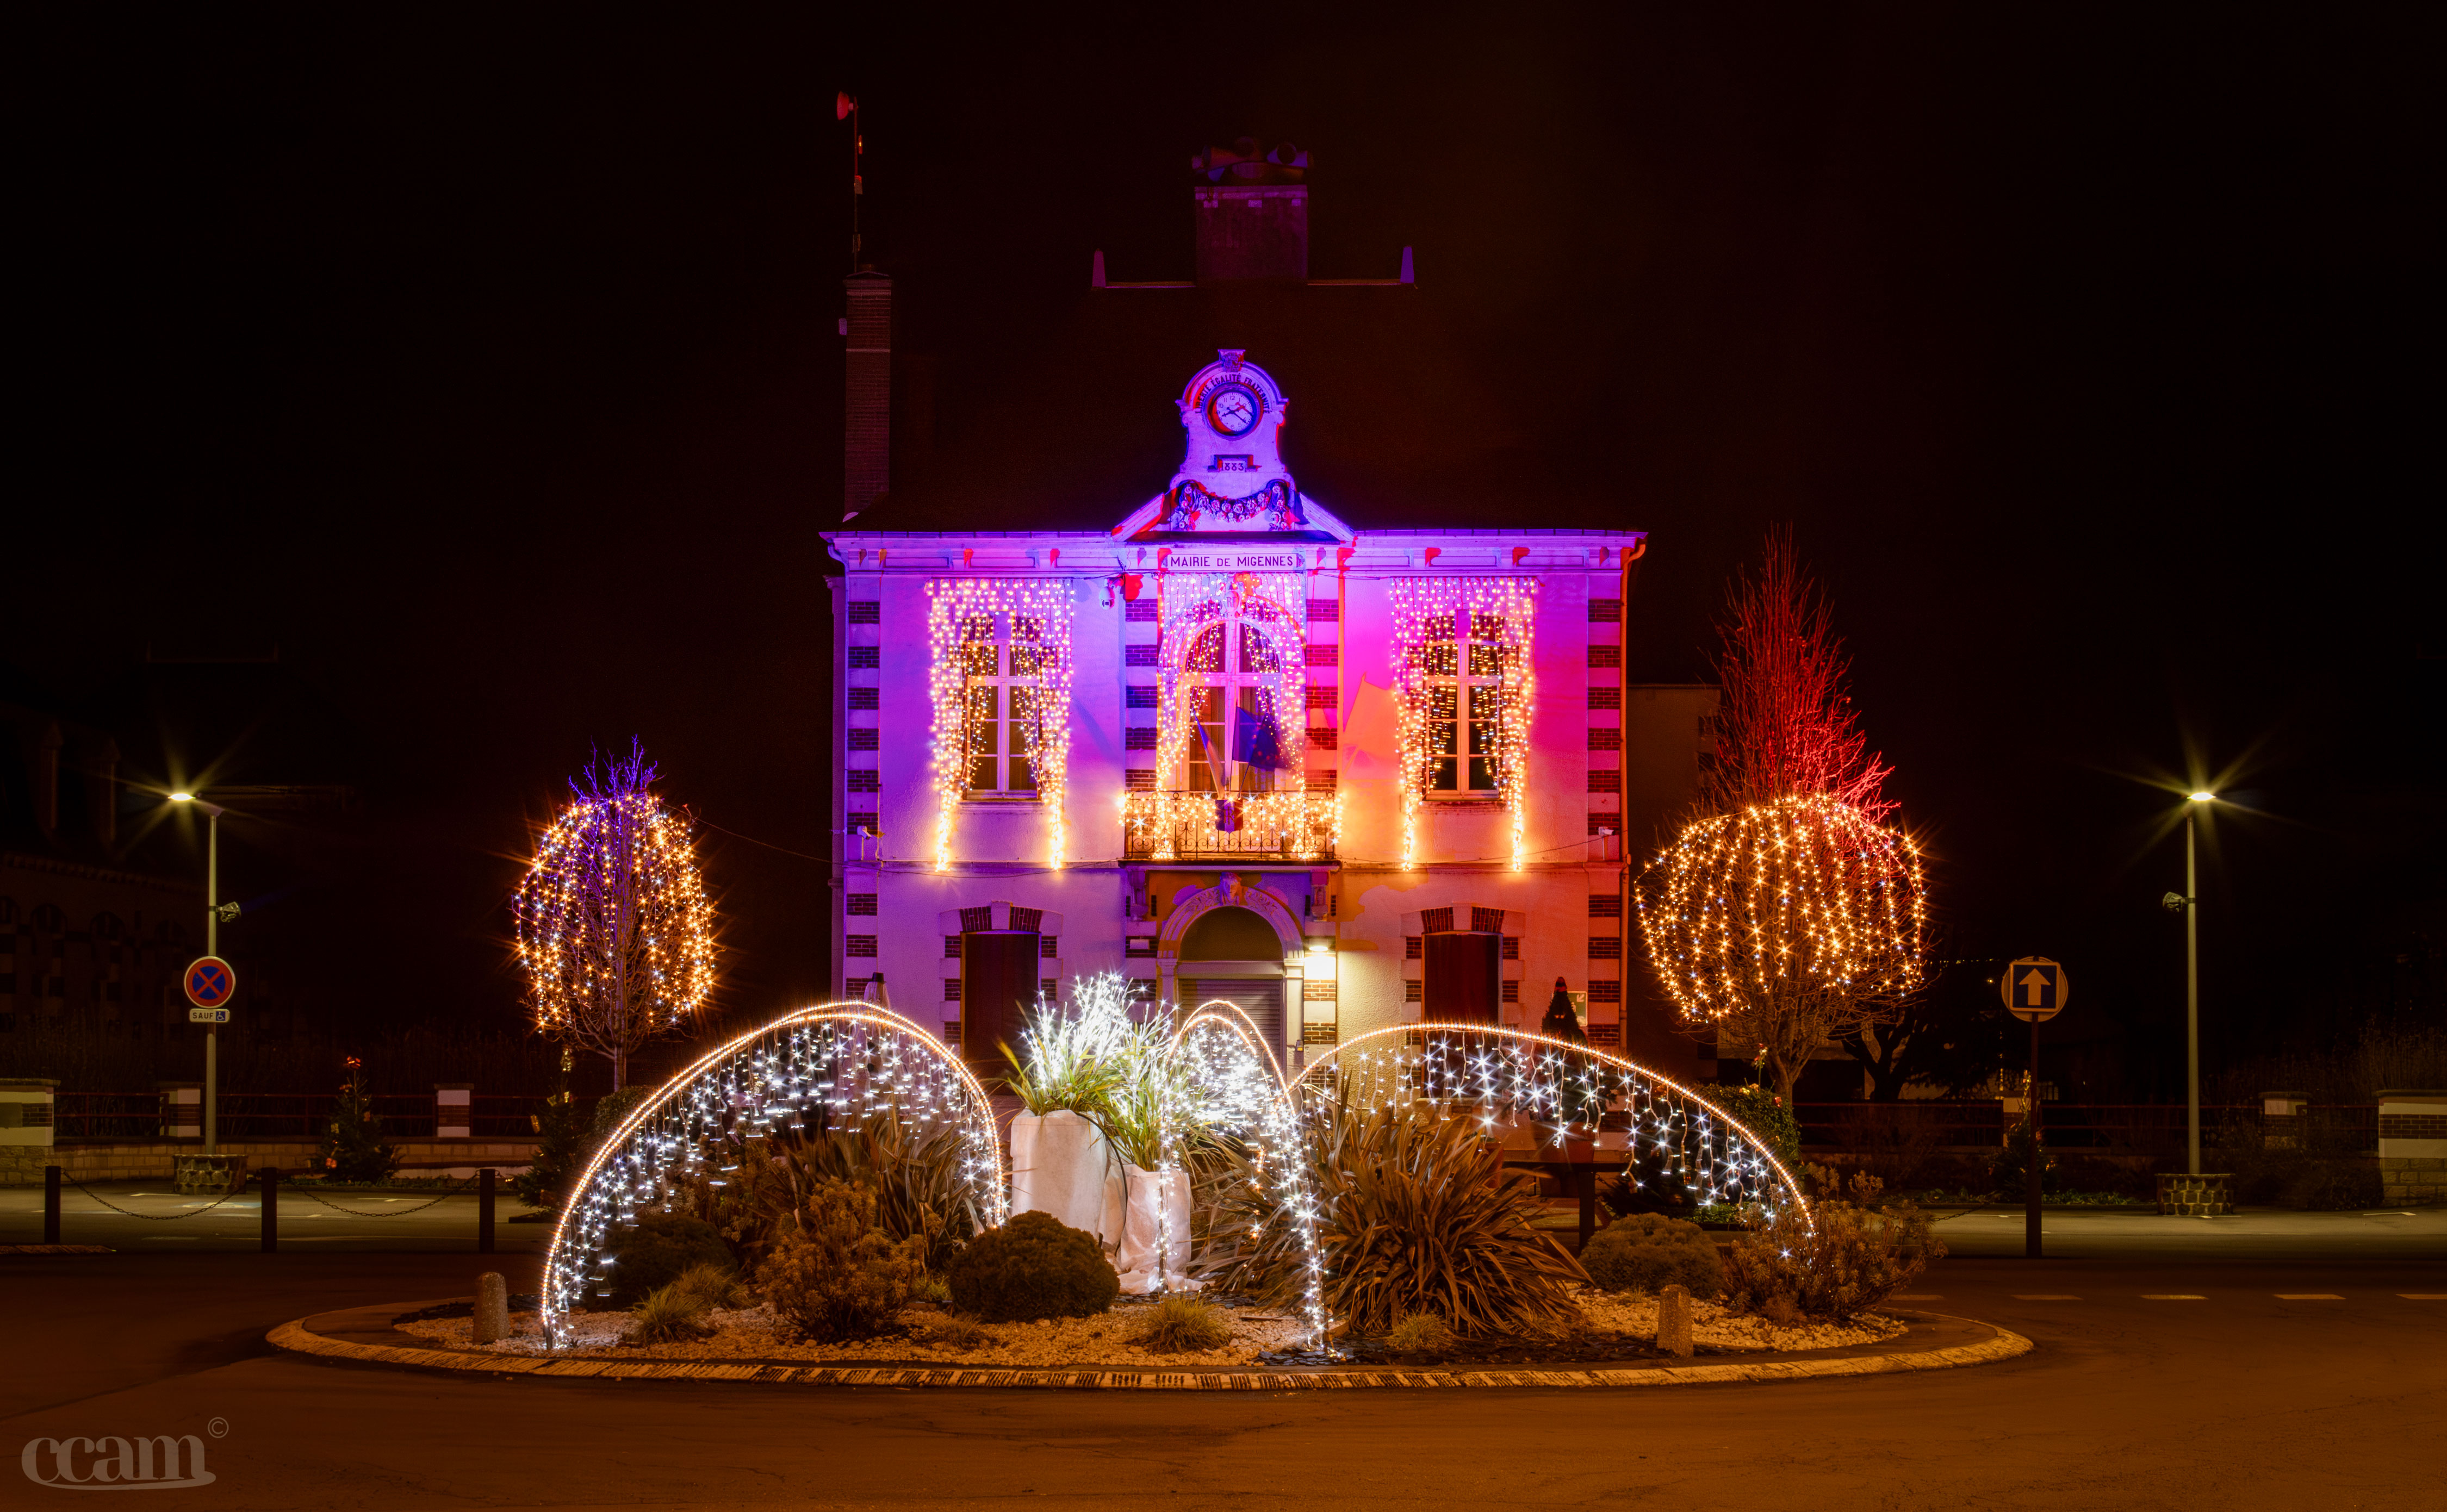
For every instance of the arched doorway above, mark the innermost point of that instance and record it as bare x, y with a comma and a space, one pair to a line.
1234, 955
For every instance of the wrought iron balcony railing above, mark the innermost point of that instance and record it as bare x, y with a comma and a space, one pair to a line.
1293, 826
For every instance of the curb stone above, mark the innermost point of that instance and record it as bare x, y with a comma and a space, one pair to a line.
2002, 1344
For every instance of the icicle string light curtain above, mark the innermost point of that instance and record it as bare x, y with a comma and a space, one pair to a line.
1045, 611
1466, 640
832, 1066
1504, 1077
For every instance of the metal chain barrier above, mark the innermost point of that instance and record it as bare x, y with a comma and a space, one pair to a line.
154, 1218
303, 1190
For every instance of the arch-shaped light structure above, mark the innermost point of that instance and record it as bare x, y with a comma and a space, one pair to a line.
1233, 1085
842, 1062
1504, 1074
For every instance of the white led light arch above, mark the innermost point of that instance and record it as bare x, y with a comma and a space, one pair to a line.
849, 1060
1499, 1074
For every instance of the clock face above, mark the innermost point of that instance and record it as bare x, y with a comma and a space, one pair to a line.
1234, 408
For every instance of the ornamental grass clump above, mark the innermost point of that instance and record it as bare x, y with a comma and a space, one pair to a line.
1413, 1217
1419, 1334
833, 1273
1646, 1252
668, 1314
1033, 1267
1180, 1324
1856, 1257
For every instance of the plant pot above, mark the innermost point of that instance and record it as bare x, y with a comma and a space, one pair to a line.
1058, 1165
1134, 1201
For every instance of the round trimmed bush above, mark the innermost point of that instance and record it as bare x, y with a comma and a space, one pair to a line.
660, 1249
1034, 1266
1648, 1251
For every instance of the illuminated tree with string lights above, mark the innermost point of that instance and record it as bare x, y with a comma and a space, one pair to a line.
615, 930
1785, 915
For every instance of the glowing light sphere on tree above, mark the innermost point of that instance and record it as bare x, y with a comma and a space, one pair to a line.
1787, 923
615, 930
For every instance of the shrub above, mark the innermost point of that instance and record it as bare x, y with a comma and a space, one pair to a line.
1759, 1109
2007, 1174
353, 1148
921, 1180
2335, 1186
1183, 1323
658, 1249
1034, 1266
566, 1143
668, 1314
832, 1274
1412, 1219
1646, 1253
1419, 1334
1854, 1259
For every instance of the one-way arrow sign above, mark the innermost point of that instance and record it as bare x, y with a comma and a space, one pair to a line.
2035, 989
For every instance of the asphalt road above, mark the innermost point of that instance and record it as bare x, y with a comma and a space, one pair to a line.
2291, 1372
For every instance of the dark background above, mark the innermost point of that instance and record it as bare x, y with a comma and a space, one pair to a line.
485, 365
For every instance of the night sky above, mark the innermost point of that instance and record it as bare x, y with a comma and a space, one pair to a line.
485, 364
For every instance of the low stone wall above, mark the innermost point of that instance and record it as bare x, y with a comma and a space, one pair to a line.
2414, 1181
154, 1160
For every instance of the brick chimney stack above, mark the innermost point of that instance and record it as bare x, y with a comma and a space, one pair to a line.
866, 435
1252, 210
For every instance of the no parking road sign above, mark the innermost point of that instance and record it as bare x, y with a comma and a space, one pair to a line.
210, 981
2035, 989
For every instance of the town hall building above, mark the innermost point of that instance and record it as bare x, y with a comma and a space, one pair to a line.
1232, 744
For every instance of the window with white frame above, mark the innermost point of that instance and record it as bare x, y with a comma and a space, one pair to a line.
1002, 657
1466, 659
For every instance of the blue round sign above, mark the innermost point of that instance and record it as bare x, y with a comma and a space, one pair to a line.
210, 981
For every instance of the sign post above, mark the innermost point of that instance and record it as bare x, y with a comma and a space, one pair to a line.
210, 982
2035, 989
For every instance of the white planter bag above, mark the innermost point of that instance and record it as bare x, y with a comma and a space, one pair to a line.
1057, 1165
1131, 1203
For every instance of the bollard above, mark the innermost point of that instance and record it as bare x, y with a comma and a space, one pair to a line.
492, 1319
50, 1204
1674, 1321
270, 1175
485, 1211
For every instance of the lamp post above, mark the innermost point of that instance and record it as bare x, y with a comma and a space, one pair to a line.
213, 913
2189, 904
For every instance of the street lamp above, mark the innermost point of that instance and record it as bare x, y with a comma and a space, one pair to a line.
2189, 904
214, 912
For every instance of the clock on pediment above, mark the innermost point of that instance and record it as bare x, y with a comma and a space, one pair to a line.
1232, 480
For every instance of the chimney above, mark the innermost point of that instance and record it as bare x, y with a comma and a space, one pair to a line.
1252, 211
866, 430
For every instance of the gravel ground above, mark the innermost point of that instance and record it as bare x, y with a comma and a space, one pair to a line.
1106, 1338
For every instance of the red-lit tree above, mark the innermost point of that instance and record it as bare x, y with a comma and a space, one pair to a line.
1785, 915
1785, 724
615, 930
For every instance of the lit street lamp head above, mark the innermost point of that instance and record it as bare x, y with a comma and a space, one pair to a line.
182, 798
2204, 798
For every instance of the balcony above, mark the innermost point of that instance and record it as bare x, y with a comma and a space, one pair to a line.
1177, 826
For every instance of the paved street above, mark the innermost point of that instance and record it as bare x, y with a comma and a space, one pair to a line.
2291, 1369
